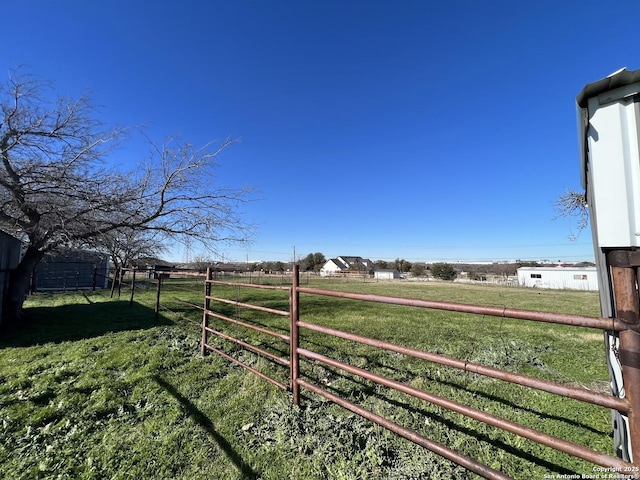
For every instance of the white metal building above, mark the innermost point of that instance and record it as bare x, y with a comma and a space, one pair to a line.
386, 274
570, 278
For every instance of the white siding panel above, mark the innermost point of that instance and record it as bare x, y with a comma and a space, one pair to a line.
570, 278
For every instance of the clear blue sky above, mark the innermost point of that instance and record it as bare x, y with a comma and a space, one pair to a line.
415, 129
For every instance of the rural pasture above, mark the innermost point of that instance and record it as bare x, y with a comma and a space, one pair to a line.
95, 388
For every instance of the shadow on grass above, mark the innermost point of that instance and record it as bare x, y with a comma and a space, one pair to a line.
204, 421
78, 321
482, 437
451, 425
405, 376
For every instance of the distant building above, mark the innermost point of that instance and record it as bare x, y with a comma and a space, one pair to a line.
569, 278
344, 265
386, 274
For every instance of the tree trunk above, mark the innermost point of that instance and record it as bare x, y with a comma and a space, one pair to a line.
19, 280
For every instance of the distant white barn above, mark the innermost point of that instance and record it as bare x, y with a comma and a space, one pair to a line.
570, 278
386, 274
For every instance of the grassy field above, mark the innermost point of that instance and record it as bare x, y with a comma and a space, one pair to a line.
95, 388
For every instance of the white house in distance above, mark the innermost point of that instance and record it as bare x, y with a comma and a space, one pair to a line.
342, 265
570, 278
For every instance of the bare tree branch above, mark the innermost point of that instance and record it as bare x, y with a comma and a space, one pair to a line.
573, 204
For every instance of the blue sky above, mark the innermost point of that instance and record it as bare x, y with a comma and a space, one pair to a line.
414, 129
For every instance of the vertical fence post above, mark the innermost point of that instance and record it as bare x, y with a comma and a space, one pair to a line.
158, 288
294, 317
627, 309
113, 282
205, 314
32, 282
95, 278
120, 278
133, 286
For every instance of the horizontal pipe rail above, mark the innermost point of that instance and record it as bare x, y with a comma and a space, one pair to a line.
559, 444
468, 463
184, 302
278, 384
587, 396
249, 306
248, 285
600, 323
181, 273
281, 336
248, 346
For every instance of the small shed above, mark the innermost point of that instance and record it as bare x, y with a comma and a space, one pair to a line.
569, 278
386, 274
161, 271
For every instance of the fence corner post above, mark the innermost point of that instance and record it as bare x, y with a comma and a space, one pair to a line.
294, 317
205, 313
624, 279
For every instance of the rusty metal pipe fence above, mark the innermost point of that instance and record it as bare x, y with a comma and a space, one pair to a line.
624, 405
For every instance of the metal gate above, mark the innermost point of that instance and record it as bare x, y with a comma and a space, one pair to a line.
627, 300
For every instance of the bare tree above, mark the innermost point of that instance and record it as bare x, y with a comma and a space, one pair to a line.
56, 190
573, 204
126, 245
201, 263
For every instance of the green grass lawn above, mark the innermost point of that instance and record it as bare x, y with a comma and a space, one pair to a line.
95, 388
